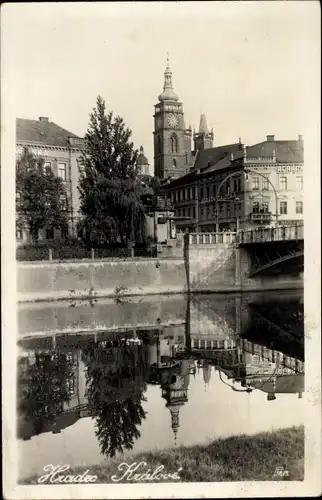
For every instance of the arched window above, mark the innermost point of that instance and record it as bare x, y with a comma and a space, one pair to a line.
158, 144
174, 144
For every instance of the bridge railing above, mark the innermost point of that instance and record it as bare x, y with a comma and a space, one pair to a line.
211, 238
280, 233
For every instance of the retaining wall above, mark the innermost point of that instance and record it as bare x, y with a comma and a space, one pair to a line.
202, 268
50, 281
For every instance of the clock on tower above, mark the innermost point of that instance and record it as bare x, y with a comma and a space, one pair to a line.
173, 120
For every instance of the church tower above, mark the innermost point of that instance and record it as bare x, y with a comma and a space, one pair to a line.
172, 141
203, 139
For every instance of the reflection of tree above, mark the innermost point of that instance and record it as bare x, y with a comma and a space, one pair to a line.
43, 389
116, 381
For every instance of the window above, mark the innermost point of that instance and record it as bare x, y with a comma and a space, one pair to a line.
64, 231
255, 183
299, 207
18, 199
159, 146
194, 212
50, 233
264, 207
299, 183
70, 386
63, 201
19, 234
201, 192
174, 162
228, 211
208, 192
283, 183
283, 207
183, 194
265, 184
62, 171
256, 207
174, 143
47, 167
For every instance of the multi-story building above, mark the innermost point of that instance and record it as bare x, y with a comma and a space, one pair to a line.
234, 186
274, 192
61, 151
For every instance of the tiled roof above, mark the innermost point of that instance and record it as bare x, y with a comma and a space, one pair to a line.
41, 132
285, 151
209, 160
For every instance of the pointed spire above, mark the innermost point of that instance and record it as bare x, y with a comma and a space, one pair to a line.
141, 150
203, 128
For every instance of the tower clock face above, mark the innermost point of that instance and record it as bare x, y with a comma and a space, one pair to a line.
173, 121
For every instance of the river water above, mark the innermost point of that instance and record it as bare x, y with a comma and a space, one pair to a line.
110, 377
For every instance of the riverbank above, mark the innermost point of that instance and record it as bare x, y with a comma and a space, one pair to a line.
238, 458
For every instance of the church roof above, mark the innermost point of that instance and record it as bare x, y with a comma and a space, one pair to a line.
285, 151
209, 160
142, 159
42, 131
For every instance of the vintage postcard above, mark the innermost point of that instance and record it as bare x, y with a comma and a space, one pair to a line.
161, 249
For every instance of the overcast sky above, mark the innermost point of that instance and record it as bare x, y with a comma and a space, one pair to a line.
248, 65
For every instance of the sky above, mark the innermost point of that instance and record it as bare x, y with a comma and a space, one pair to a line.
250, 66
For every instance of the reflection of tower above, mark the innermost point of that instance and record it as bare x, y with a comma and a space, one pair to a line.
206, 371
175, 392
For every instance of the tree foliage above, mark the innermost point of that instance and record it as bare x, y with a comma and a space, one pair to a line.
39, 195
116, 381
43, 390
109, 190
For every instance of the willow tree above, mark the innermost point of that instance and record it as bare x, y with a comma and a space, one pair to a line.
109, 191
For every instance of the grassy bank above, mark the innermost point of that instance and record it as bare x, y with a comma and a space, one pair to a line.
239, 458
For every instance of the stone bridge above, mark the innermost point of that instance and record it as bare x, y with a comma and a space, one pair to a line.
244, 261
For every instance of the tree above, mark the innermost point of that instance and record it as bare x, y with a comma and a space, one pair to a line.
41, 199
43, 389
116, 381
109, 190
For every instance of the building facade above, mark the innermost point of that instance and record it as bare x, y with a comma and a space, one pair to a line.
275, 182
237, 187
62, 151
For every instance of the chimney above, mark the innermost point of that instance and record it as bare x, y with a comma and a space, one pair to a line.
43, 119
300, 138
231, 156
270, 138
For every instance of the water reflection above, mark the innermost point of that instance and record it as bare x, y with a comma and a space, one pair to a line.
247, 344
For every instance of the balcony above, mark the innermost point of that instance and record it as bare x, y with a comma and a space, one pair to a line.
261, 217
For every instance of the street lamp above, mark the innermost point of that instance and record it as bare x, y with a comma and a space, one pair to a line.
247, 171
248, 388
234, 174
